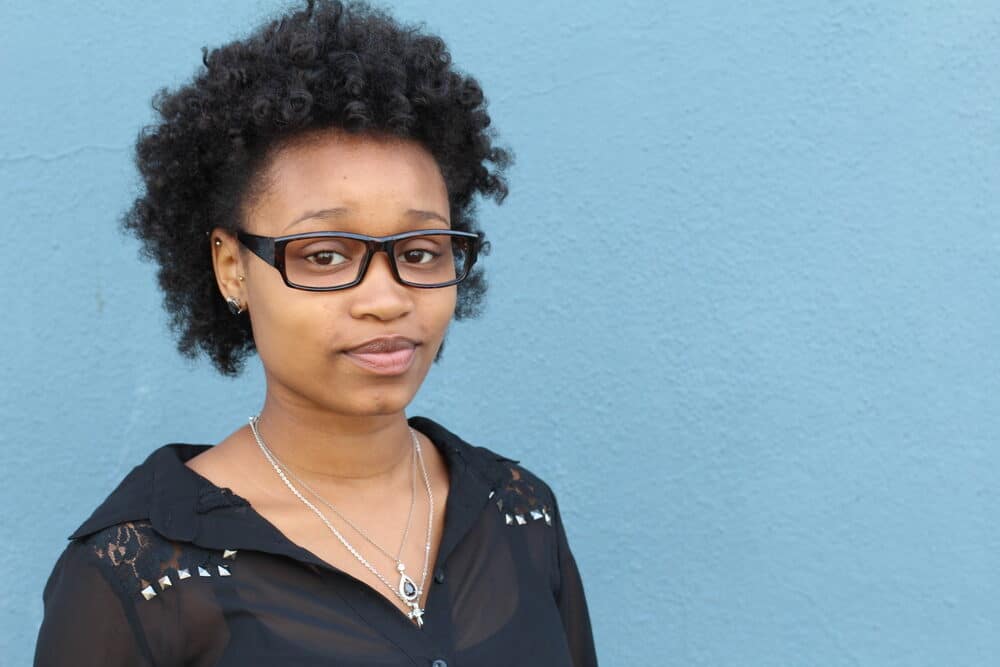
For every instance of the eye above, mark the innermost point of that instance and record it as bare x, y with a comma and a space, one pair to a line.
326, 258
419, 256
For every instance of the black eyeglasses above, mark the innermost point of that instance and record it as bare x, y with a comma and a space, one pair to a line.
327, 261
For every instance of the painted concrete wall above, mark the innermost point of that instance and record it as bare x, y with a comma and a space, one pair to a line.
744, 311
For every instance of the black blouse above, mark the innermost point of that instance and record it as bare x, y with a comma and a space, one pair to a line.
173, 570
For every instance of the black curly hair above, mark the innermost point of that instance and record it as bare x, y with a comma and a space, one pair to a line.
328, 65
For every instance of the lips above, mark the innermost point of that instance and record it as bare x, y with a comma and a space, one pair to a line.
383, 345
386, 355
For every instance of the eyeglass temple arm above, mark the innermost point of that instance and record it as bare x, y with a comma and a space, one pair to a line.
262, 246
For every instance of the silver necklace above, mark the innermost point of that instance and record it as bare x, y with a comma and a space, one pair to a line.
406, 590
358, 529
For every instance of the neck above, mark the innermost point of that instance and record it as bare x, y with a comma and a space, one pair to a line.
346, 450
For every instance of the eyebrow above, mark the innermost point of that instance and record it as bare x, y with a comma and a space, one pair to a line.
340, 212
322, 214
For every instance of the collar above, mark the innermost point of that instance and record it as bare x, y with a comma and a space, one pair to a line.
183, 506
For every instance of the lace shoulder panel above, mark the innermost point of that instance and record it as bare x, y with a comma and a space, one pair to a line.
520, 496
144, 563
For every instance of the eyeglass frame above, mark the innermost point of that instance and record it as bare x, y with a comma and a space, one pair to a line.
271, 249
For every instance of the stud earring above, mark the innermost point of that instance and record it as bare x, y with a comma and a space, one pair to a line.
218, 242
234, 306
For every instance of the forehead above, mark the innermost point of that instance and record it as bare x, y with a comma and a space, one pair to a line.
376, 180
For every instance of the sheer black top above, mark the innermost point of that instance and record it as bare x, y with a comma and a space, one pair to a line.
173, 570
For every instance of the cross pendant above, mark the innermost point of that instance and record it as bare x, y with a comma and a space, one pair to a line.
417, 613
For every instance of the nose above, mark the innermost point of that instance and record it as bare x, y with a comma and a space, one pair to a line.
379, 294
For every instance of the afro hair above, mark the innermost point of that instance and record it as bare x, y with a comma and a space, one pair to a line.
328, 65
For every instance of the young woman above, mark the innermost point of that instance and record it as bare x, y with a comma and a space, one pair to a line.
309, 196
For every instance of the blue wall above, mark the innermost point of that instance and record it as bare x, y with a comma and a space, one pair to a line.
744, 313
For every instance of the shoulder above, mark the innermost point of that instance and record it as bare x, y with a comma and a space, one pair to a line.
519, 495
138, 495
522, 496
135, 535
139, 562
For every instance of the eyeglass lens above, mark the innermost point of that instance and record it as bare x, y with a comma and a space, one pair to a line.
333, 261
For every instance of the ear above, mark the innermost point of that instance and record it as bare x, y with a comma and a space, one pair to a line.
228, 265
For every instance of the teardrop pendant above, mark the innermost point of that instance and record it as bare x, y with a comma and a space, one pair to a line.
407, 588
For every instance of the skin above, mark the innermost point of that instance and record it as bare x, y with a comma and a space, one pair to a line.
338, 426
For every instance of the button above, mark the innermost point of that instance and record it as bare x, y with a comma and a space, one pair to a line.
439, 576
439, 663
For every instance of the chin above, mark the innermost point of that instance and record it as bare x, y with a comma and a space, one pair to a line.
380, 409
379, 402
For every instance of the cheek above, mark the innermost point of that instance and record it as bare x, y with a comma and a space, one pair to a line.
440, 308
439, 315
292, 327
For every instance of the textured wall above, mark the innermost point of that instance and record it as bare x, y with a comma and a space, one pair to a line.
744, 313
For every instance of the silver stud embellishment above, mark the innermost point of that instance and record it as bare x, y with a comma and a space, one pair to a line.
520, 507
166, 581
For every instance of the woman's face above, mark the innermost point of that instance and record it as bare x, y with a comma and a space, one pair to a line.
307, 340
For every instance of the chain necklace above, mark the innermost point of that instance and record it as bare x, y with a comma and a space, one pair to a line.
407, 590
358, 529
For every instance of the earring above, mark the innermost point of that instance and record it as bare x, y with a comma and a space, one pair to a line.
218, 242
234, 306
